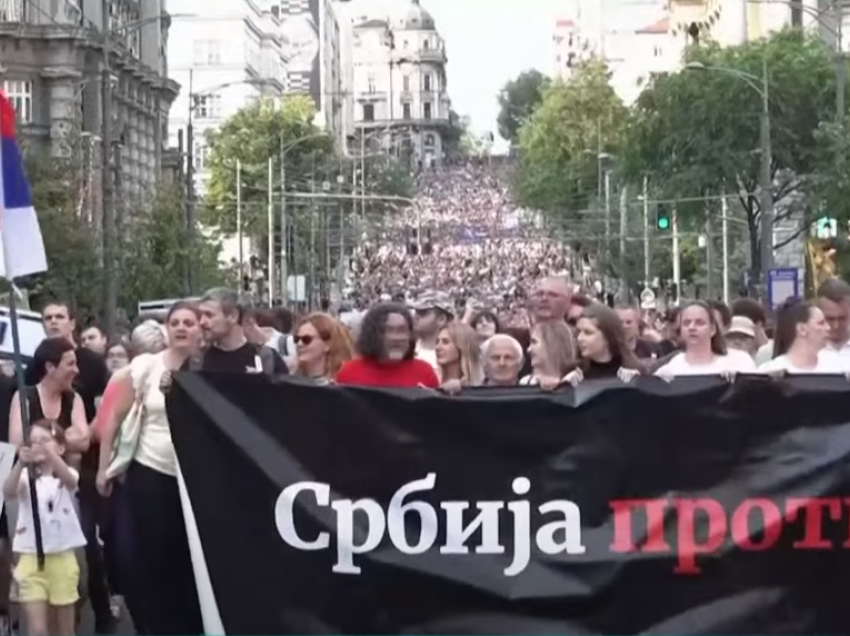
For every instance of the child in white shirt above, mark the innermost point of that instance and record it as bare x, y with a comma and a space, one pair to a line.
48, 594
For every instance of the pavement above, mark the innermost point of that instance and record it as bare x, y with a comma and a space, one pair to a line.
124, 627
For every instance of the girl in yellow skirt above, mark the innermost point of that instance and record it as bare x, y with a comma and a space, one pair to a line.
48, 594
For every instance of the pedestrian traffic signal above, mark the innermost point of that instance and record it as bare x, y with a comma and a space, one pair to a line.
662, 218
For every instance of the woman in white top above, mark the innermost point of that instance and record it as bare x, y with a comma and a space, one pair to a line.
798, 346
552, 354
163, 579
704, 349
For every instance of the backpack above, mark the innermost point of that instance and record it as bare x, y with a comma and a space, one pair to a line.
266, 355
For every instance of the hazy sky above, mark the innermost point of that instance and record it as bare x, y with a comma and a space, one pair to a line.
489, 42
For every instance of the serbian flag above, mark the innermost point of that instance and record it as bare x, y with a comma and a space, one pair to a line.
20, 235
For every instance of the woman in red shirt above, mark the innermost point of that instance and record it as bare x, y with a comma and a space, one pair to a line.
387, 347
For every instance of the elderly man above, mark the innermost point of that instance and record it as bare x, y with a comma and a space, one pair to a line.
503, 359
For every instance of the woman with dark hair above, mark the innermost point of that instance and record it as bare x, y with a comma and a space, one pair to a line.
801, 335
387, 346
704, 348
486, 325
603, 351
53, 398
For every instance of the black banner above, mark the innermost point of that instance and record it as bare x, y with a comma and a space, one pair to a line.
690, 508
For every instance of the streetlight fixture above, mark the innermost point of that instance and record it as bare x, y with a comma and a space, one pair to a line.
762, 86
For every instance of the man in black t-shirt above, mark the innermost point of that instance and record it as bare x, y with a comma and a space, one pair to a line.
228, 349
90, 383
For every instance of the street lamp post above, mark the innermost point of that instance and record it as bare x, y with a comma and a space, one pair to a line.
191, 225
284, 266
766, 218
835, 10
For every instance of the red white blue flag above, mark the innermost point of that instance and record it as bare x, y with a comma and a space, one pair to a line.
22, 245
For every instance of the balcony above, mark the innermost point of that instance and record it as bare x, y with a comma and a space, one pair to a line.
421, 55
370, 95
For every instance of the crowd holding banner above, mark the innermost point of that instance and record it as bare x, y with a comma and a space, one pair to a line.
482, 450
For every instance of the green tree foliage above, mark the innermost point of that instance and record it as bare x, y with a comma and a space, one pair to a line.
253, 135
154, 255
74, 271
518, 99
560, 144
696, 132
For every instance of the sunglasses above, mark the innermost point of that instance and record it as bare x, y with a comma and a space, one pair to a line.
305, 340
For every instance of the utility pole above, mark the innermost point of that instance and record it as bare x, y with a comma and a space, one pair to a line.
709, 251
270, 220
724, 219
624, 228
107, 180
190, 186
677, 262
239, 221
646, 231
284, 264
840, 62
766, 182
607, 186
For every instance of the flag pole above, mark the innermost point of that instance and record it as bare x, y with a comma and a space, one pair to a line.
25, 419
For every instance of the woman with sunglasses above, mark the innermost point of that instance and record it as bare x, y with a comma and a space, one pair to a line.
322, 345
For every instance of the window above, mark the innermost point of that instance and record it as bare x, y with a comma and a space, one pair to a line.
371, 83
429, 139
796, 13
206, 106
19, 93
657, 52
405, 83
199, 154
426, 82
426, 110
207, 53
405, 111
368, 112
426, 44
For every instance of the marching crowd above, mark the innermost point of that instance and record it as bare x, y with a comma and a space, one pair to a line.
99, 454
477, 301
464, 237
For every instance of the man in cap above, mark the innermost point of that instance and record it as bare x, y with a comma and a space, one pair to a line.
741, 336
432, 311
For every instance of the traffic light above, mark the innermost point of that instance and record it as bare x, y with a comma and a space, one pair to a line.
663, 221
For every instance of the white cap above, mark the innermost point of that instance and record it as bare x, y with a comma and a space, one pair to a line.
743, 326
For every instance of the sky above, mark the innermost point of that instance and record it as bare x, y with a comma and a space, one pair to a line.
489, 42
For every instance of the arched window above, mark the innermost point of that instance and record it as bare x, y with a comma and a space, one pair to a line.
429, 139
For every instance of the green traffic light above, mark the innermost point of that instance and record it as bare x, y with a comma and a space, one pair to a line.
663, 223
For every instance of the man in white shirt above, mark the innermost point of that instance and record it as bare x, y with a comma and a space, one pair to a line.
834, 302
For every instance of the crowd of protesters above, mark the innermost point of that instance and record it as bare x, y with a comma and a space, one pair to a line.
464, 237
99, 446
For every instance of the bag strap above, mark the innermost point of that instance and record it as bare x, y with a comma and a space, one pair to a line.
142, 384
267, 359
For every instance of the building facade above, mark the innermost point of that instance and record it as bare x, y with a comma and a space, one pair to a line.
312, 41
51, 63
399, 87
225, 55
569, 47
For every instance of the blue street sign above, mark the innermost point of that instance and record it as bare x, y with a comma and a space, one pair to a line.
782, 283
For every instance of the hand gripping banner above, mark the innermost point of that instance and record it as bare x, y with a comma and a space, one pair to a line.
696, 507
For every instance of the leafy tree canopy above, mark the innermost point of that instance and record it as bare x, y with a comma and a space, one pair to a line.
696, 132
578, 123
517, 101
252, 136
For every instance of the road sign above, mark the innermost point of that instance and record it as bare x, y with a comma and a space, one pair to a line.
782, 283
647, 298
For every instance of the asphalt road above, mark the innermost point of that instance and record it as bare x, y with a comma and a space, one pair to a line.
125, 625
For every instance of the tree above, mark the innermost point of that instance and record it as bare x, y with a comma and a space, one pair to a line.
252, 136
73, 251
154, 255
517, 101
579, 123
696, 133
